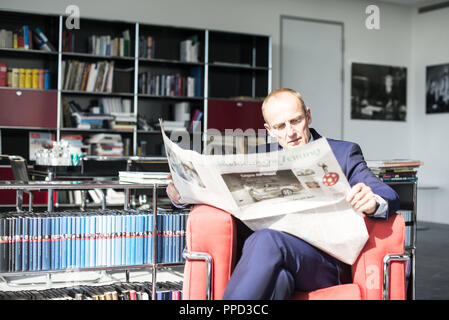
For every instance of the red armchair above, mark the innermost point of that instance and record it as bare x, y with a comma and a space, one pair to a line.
378, 273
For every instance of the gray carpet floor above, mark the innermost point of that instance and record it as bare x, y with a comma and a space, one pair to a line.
432, 261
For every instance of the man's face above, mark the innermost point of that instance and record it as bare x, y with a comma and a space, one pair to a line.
286, 120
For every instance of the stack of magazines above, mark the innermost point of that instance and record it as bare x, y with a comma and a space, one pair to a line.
395, 170
143, 177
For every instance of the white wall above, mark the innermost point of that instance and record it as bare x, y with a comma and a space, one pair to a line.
389, 45
430, 132
401, 41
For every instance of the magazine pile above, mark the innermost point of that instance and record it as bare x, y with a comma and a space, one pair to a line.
300, 191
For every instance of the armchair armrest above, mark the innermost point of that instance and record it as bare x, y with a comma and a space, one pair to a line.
210, 244
380, 269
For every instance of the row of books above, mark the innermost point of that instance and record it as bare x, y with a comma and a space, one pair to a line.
116, 291
189, 49
24, 77
106, 113
166, 85
408, 217
25, 38
77, 240
107, 45
395, 170
68, 41
121, 110
90, 77
146, 47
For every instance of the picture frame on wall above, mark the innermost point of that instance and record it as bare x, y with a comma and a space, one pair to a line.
437, 88
378, 92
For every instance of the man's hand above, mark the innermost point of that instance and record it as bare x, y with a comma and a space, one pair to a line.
362, 199
172, 192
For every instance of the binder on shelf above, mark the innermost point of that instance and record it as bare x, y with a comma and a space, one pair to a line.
63, 245
25, 244
46, 245
26, 39
3, 74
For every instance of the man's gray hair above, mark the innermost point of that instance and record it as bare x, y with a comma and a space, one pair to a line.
279, 91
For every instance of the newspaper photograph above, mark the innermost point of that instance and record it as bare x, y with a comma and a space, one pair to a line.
300, 191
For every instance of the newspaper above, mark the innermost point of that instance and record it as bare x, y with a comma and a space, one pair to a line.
300, 191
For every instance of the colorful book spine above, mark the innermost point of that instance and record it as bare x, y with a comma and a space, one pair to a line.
25, 244
46, 244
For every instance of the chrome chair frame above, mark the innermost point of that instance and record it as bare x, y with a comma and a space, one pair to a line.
190, 255
203, 256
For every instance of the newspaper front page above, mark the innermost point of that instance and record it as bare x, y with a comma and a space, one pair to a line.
300, 191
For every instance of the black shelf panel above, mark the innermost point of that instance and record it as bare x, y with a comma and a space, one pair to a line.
27, 52
218, 64
27, 128
226, 82
168, 62
30, 89
99, 268
105, 94
72, 55
96, 130
238, 48
151, 96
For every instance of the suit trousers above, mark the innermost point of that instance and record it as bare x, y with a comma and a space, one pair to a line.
275, 264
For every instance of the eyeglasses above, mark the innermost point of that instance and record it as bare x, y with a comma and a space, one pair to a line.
281, 128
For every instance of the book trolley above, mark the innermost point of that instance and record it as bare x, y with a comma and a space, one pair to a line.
155, 262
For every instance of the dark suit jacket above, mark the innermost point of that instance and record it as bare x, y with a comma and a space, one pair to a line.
350, 157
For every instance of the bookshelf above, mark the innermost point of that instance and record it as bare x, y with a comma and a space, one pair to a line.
196, 67
154, 243
152, 69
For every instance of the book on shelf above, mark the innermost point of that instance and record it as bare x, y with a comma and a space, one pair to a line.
98, 238
146, 47
105, 144
116, 105
189, 49
120, 109
42, 41
91, 120
196, 120
88, 77
3, 74
166, 85
27, 78
172, 125
105, 45
74, 140
143, 177
68, 41
25, 38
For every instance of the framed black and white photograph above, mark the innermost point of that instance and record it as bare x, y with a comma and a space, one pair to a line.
378, 92
437, 88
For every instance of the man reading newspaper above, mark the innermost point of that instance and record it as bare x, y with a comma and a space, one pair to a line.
273, 263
